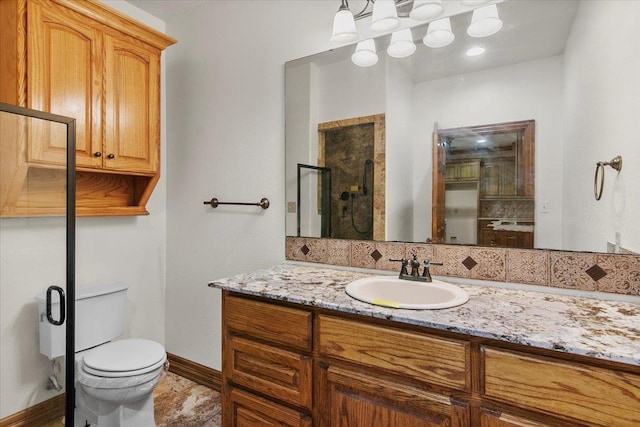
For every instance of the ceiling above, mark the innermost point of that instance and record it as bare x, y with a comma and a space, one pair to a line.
165, 9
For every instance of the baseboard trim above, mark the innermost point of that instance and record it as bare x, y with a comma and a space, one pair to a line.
195, 372
39, 414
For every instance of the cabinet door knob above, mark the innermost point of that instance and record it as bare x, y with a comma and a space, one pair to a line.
111, 156
97, 154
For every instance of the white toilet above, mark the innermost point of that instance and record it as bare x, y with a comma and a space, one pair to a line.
114, 380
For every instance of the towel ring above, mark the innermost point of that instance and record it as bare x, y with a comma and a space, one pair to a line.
615, 163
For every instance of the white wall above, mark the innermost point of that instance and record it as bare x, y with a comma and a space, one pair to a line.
531, 90
32, 257
601, 112
225, 91
301, 93
399, 153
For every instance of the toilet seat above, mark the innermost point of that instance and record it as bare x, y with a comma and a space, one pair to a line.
124, 358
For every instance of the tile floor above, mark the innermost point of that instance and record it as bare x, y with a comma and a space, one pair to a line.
180, 402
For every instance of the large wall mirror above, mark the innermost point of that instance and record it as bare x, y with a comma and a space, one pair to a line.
564, 74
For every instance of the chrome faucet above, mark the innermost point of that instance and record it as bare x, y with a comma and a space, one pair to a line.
415, 267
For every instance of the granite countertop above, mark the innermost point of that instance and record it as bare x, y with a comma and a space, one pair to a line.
608, 330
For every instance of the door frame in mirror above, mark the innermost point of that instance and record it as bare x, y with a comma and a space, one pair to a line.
525, 166
379, 161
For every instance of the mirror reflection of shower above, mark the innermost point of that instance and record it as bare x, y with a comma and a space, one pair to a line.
368, 171
348, 152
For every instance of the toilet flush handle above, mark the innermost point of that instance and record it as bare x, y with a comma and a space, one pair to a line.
50, 318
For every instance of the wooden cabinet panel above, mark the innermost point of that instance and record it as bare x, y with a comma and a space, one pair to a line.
281, 325
498, 178
492, 419
423, 357
64, 77
462, 172
132, 106
248, 410
349, 398
270, 371
597, 395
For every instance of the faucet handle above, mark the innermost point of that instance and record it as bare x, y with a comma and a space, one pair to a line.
427, 263
405, 262
425, 269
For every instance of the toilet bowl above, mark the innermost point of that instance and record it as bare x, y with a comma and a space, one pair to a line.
114, 379
115, 382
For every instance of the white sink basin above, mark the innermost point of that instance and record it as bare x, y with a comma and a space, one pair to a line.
394, 292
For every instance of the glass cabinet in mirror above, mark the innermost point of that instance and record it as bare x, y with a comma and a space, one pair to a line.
549, 67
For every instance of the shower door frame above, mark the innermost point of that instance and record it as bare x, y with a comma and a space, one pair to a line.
70, 123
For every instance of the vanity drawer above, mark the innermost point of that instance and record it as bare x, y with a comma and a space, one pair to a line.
274, 372
582, 392
422, 357
280, 325
248, 410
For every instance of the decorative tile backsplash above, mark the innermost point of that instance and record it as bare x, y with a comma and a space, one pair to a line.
585, 271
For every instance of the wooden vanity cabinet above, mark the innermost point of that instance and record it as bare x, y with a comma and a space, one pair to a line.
83, 60
377, 373
266, 364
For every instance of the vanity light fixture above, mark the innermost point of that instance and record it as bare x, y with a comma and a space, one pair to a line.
475, 51
344, 25
439, 33
423, 10
385, 17
401, 44
473, 3
365, 54
485, 21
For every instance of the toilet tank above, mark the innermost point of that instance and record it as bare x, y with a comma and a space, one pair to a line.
100, 313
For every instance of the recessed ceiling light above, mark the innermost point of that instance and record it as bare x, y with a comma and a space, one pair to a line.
475, 51
481, 140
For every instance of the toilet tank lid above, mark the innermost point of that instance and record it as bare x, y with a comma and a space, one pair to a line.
87, 292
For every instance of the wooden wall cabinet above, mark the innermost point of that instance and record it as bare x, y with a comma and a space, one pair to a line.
83, 60
378, 373
462, 172
498, 178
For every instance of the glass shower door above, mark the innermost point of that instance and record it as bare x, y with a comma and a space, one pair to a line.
37, 265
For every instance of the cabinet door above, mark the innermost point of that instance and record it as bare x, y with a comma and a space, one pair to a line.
64, 77
469, 171
132, 104
347, 398
244, 409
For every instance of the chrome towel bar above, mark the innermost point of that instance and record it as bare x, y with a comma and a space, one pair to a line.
263, 203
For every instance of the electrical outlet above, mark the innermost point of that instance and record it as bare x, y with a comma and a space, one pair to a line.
544, 207
291, 207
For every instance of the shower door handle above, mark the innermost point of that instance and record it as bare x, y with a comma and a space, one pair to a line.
50, 318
